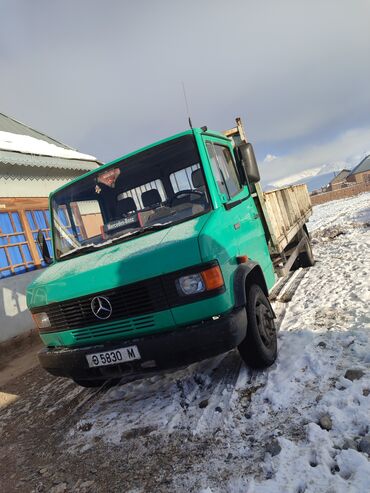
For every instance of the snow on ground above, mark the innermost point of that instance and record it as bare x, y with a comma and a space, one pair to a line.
346, 211
326, 331
218, 427
30, 145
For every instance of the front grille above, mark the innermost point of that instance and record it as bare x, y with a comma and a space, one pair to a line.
127, 302
115, 329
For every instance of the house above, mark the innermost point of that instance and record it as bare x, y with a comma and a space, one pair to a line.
339, 181
32, 164
361, 173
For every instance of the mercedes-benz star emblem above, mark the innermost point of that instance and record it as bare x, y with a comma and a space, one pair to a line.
101, 307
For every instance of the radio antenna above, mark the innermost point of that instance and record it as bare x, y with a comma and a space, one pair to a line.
186, 105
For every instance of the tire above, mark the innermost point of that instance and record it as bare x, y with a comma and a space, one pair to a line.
306, 258
96, 383
259, 348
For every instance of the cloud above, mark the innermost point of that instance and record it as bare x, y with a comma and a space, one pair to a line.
105, 77
345, 150
269, 158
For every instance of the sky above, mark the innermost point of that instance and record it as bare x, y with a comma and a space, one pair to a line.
106, 77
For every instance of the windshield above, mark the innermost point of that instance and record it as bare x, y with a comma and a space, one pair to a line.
150, 190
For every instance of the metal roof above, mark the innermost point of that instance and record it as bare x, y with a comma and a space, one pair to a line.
363, 166
341, 176
8, 124
18, 158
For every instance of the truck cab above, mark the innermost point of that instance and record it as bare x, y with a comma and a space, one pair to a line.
160, 259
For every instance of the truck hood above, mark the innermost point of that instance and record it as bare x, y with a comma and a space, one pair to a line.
150, 255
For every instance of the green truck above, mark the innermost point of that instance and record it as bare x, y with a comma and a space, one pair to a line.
165, 257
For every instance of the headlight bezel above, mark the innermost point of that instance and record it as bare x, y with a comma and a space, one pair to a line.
190, 285
204, 281
42, 320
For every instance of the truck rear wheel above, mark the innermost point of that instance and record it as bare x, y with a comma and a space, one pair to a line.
259, 348
306, 258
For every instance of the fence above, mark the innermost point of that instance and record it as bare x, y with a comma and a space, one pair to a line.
342, 193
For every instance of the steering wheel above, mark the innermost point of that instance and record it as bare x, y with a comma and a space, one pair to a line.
186, 192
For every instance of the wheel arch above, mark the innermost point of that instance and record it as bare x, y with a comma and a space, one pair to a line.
248, 273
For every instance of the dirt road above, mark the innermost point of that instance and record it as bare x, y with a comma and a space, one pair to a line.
41, 411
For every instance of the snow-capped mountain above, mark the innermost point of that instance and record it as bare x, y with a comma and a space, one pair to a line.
313, 177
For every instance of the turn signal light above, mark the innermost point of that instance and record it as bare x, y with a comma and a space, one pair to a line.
242, 259
213, 278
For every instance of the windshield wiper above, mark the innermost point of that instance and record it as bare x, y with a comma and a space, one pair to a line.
82, 249
92, 247
138, 232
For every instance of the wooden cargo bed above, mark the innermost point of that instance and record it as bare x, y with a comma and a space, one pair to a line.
286, 210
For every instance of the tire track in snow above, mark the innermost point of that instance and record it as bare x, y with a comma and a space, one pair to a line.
196, 399
214, 414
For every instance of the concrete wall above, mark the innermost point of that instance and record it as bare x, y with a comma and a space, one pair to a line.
321, 198
15, 318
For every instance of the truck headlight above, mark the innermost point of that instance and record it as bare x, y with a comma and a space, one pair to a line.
207, 280
41, 320
192, 284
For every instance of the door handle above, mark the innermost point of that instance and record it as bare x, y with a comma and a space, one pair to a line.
256, 216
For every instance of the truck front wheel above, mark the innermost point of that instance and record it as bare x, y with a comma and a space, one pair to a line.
259, 348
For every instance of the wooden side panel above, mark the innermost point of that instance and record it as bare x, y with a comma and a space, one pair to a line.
288, 209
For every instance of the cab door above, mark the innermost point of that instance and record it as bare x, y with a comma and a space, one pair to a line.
240, 210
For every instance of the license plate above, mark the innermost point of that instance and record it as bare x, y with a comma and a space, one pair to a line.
113, 357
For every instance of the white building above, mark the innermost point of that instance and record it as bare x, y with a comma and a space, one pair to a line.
32, 164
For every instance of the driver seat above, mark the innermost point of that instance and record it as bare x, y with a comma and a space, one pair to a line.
198, 180
151, 198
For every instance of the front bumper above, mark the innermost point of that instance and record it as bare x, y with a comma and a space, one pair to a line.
158, 352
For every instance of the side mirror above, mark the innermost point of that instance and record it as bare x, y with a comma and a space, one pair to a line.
43, 247
249, 162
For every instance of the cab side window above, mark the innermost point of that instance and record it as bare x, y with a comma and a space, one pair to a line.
224, 169
216, 170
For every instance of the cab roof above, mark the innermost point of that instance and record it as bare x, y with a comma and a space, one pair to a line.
199, 131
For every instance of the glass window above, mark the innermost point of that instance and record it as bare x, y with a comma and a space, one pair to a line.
14, 252
216, 170
136, 193
228, 169
39, 219
184, 178
132, 197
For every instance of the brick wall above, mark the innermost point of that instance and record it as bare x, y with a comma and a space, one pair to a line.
359, 177
321, 198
